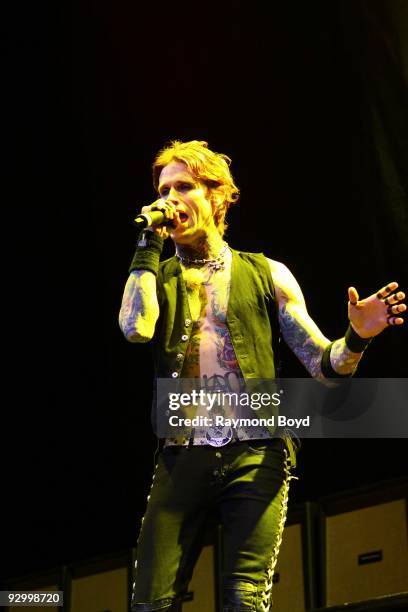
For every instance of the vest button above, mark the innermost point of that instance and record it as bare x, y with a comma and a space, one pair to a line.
175, 374
187, 322
184, 337
179, 356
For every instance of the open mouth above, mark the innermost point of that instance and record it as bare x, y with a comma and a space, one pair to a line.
182, 217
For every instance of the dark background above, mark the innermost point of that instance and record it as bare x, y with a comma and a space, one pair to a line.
308, 99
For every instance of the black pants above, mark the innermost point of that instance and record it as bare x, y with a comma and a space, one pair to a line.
248, 483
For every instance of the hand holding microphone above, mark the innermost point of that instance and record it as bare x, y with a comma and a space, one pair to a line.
157, 217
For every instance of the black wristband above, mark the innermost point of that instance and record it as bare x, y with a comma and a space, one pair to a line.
354, 342
148, 250
327, 369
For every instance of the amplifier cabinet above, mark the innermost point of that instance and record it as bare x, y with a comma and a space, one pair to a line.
99, 585
366, 551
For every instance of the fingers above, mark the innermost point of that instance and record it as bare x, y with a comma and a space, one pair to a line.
392, 301
385, 291
395, 308
392, 310
394, 298
165, 207
160, 204
353, 296
395, 321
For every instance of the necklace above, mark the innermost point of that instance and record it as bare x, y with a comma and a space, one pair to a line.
218, 263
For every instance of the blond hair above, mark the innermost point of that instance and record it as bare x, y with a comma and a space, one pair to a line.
209, 167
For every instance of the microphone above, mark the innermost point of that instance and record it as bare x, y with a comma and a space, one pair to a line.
152, 219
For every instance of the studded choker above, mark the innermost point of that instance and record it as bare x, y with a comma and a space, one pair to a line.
218, 263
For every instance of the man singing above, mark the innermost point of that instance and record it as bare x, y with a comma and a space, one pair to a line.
212, 313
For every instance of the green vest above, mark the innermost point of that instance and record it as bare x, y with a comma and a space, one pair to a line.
251, 317
252, 320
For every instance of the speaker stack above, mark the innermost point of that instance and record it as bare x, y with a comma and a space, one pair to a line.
364, 548
99, 585
104, 584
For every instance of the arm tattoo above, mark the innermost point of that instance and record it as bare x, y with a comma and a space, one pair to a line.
303, 339
342, 359
140, 310
301, 333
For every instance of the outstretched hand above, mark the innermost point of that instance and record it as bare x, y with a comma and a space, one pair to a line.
370, 316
